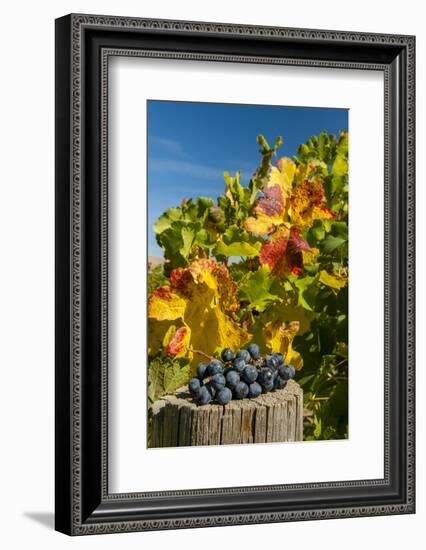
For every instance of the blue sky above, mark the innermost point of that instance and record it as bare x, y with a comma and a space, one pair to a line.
190, 145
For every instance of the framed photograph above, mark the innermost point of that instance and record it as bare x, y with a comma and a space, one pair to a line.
234, 274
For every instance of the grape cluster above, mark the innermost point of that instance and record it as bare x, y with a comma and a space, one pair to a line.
239, 375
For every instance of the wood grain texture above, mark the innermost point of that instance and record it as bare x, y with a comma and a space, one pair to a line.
273, 417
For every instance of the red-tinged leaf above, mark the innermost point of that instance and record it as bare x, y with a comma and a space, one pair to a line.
283, 252
272, 202
308, 203
273, 251
179, 343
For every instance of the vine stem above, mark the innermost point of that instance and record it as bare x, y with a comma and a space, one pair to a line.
209, 357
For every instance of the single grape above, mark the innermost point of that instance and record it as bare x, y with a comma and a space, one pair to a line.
215, 367
218, 381
244, 354
279, 357
254, 351
204, 396
194, 386
227, 355
287, 371
255, 389
250, 374
265, 376
241, 390
226, 370
202, 370
232, 379
279, 383
292, 371
224, 396
239, 364
211, 389
271, 362
267, 387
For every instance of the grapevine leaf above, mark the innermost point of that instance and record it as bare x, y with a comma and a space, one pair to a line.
187, 240
176, 341
255, 289
271, 207
340, 166
331, 243
332, 280
308, 203
165, 376
343, 144
165, 220
236, 249
283, 252
165, 304
273, 334
202, 297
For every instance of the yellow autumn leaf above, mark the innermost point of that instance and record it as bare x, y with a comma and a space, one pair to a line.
309, 256
283, 174
288, 311
156, 334
165, 304
274, 334
333, 280
176, 341
270, 210
279, 337
308, 169
308, 203
205, 297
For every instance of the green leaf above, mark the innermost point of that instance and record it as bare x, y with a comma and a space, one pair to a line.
307, 291
331, 243
237, 249
165, 220
340, 229
323, 146
343, 144
255, 288
340, 166
233, 186
187, 239
318, 232
165, 376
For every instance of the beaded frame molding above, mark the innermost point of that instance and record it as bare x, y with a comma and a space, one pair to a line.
84, 44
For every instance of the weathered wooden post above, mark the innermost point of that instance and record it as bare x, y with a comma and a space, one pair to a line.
271, 417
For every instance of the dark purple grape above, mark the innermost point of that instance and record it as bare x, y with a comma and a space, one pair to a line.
202, 370
271, 362
279, 357
218, 381
265, 376
287, 371
250, 374
204, 396
215, 367
241, 390
244, 354
254, 351
232, 379
255, 390
239, 364
224, 396
227, 355
194, 386
279, 383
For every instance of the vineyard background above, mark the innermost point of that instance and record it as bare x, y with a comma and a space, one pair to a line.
264, 262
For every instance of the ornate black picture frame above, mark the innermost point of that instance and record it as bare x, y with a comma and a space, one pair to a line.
84, 44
